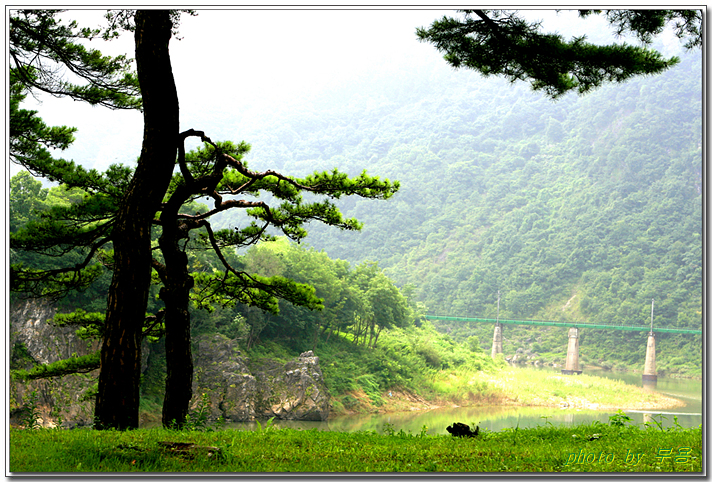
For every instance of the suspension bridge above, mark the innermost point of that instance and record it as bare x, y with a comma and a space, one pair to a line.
570, 324
572, 355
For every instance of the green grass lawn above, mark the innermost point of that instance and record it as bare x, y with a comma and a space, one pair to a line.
585, 448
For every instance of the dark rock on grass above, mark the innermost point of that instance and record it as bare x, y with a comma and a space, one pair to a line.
462, 430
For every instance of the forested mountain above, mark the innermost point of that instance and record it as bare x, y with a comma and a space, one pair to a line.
581, 209
584, 208
593, 199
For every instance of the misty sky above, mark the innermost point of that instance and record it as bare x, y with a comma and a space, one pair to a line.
231, 63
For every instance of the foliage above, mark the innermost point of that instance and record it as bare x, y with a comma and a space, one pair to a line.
502, 42
76, 364
361, 301
268, 425
58, 238
620, 419
42, 48
198, 418
208, 165
26, 197
20, 357
32, 412
645, 24
39, 41
399, 363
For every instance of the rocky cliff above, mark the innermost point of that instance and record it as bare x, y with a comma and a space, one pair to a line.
237, 388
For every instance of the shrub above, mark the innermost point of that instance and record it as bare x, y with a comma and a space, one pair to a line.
432, 358
31, 420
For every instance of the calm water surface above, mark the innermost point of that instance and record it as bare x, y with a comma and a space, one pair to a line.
496, 418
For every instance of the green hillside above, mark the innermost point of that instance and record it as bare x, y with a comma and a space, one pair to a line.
581, 209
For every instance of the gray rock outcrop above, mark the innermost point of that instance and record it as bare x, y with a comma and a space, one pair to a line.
66, 399
239, 389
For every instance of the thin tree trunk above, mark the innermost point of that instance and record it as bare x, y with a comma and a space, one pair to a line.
316, 337
177, 283
371, 333
378, 333
117, 399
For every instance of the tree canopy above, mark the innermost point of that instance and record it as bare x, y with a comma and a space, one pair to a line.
503, 42
43, 50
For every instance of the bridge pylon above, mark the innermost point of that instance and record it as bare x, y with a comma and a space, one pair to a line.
497, 340
572, 354
649, 371
650, 375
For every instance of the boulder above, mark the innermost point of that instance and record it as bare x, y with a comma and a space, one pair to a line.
222, 373
45, 343
294, 391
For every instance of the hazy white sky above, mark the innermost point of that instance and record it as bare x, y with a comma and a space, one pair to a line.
230, 61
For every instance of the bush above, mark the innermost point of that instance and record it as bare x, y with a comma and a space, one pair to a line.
473, 343
432, 358
31, 419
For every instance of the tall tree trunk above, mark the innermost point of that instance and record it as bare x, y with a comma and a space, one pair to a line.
117, 400
179, 357
176, 295
177, 283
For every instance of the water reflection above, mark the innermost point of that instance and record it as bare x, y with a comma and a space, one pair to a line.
494, 418
650, 385
497, 418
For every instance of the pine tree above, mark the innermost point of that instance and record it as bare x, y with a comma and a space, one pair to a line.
501, 42
119, 209
117, 401
41, 50
217, 171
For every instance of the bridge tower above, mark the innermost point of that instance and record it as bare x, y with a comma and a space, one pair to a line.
572, 354
497, 338
650, 374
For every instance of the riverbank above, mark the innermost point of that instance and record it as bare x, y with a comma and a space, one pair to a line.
518, 387
532, 387
592, 369
614, 447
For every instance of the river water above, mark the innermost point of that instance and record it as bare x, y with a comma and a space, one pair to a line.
496, 418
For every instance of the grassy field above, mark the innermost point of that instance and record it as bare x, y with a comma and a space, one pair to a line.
532, 387
521, 386
614, 447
